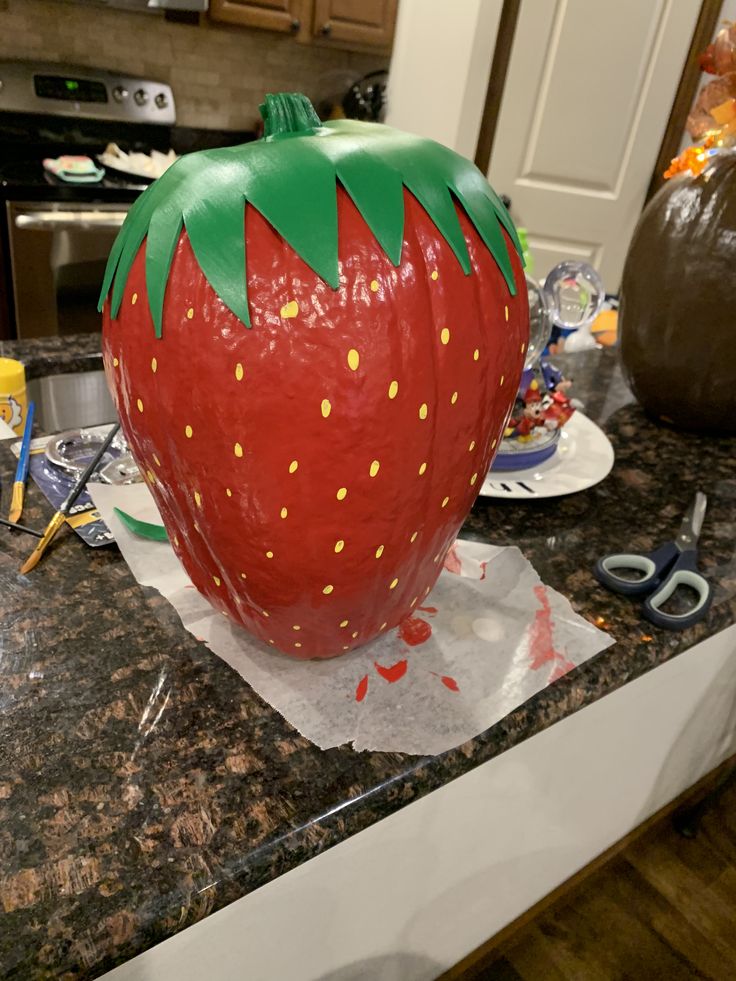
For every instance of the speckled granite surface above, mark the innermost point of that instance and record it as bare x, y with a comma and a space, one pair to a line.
143, 785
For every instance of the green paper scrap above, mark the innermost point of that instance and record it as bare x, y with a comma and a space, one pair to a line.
290, 176
144, 529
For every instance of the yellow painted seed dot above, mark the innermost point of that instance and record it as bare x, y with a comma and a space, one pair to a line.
239, 371
238, 449
228, 492
272, 641
265, 613
435, 274
154, 365
326, 407
115, 362
393, 389
354, 634
453, 400
394, 584
198, 499
473, 479
290, 309
188, 432
383, 625
506, 313
414, 537
445, 502
493, 444
476, 354
414, 601
297, 644
445, 335
342, 493
339, 545
216, 580
345, 647
472, 446
379, 551
344, 623
156, 460
523, 348
353, 359
284, 512
243, 575
197, 528
139, 403
422, 468
176, 541
436, 558
293, 466
375, 467
374, 286
134, 299
296, 627
190, 313
423, 410
269, 555
501, 382
151, 476
327, 590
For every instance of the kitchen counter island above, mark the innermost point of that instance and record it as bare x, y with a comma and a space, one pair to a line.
144, 785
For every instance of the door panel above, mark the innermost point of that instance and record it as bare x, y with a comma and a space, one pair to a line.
587, 97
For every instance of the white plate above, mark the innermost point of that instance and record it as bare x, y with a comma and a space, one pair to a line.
584, 457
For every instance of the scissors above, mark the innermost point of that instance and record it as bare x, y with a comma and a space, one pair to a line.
662, 571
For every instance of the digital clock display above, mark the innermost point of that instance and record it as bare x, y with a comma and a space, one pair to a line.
69, 89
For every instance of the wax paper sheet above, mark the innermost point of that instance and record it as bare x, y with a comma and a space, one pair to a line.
488, 637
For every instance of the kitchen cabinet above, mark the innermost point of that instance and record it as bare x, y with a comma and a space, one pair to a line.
366, 25
359, 23
271, 15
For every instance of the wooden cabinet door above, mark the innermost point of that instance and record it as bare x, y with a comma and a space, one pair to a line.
355, 23
271, 15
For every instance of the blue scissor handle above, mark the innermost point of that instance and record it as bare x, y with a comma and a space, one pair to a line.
652, 564
683, 573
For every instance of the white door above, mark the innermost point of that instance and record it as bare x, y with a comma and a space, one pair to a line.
588, 94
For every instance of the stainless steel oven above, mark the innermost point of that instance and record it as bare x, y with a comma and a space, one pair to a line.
58, 252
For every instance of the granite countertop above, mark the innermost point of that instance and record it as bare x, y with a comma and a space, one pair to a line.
144, 785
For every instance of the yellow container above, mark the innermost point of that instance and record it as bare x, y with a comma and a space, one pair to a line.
13, 401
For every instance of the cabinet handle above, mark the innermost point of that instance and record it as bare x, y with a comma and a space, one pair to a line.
326, 29
295, 25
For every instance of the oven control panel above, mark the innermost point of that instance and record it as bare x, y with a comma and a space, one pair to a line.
89, 93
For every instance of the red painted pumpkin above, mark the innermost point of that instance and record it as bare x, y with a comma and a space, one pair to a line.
315, 412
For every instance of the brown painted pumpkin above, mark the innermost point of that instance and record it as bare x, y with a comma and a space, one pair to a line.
678, 302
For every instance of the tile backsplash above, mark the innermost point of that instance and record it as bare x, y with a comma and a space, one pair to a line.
219, 74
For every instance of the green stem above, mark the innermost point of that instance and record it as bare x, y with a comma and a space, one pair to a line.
288, 112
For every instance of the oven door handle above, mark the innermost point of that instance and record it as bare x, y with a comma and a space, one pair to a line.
69, 220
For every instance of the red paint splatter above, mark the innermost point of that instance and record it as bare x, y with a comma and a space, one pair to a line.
483, 570
362, 689
394, 673
452, 562
428, 609
414, 631
449, 682
541, 643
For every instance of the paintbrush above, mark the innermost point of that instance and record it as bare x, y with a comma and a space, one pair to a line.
21, 472
60, 517
29, 531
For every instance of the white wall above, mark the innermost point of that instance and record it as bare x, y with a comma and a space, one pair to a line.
440, 67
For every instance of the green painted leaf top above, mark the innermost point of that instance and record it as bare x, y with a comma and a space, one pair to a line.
290, 176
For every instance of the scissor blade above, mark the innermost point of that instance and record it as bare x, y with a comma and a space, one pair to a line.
692, 522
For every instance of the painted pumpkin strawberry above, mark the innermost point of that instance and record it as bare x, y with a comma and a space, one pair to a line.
313, 342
